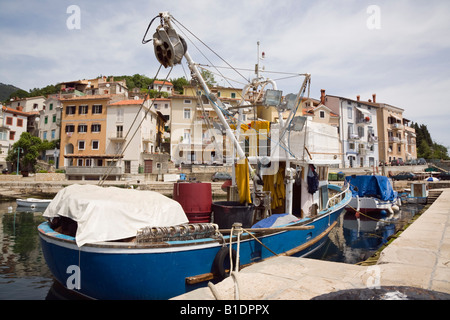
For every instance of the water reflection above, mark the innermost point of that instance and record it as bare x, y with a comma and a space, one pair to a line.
23, 271
25, 275
356, 239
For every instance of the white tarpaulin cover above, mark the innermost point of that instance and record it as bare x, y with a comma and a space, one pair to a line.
106, 214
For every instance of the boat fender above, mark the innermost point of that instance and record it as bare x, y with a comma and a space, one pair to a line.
219, 261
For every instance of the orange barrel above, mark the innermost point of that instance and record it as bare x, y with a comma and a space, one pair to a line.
196, 200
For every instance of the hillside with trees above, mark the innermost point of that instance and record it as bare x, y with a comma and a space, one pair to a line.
426, 147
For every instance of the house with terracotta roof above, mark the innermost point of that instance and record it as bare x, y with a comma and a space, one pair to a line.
162, 86
27, 104
12, 124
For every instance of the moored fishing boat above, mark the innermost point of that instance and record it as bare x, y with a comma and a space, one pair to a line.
110, 243
372, 193
33, 203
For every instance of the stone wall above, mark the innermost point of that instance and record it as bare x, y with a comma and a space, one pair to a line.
49, 177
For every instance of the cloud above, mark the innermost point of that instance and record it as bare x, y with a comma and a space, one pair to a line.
405, 62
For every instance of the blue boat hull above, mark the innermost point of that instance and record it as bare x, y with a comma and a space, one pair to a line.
120, 270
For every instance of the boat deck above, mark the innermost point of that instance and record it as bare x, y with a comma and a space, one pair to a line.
418, 258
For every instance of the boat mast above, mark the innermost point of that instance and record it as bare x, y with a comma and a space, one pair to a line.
215, 101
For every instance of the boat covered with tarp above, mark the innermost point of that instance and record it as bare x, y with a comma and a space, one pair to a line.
372, 193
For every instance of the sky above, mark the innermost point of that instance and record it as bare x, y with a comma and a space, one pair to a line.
399, 50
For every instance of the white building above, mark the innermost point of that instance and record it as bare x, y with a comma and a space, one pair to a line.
28, 104
134, 128
13, 124
162, 86
358, 130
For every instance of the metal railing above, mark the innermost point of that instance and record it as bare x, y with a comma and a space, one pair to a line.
337, 197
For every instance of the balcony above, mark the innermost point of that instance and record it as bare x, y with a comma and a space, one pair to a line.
394, 139
353, 136
116, 136
397, 126
372, 138
364, 120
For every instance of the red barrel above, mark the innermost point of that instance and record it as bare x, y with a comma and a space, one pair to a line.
196, 200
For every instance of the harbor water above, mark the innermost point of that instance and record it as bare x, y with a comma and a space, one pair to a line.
24, 274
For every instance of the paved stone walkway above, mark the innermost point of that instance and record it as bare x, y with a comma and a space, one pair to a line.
419, 257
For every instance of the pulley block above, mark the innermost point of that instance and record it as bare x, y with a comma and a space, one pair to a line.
169, 47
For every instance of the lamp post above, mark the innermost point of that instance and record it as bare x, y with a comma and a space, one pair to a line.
18, 154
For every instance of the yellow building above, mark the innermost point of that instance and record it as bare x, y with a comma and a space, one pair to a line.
84, 137
194, 125
397, 141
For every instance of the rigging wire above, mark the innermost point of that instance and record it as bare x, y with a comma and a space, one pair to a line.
122, 148
210, 49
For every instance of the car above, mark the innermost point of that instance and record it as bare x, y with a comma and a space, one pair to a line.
444, 176
397, 162
411, 162
404, 176
421, 161
220, 176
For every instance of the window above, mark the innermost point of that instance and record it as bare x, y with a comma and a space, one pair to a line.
44, 135
70, 110
19, 122
96, 127
81, 144
187, 136
95, 144
233, 95
88, 162
12, 134
54, 118
187, 113
166, 106
120, 115
119, 132
80, 162
360, 131
70, 128
53, 134
82, 128
51, 106
322, 114
350, 112
97, 109
9, 121
187, 101
83, 109
45, 120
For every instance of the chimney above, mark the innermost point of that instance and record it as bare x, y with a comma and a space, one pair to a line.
322, 96
374, 98
357, 98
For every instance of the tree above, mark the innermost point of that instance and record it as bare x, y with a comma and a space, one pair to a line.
208, 76
426, 147
178, 84
30, 147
